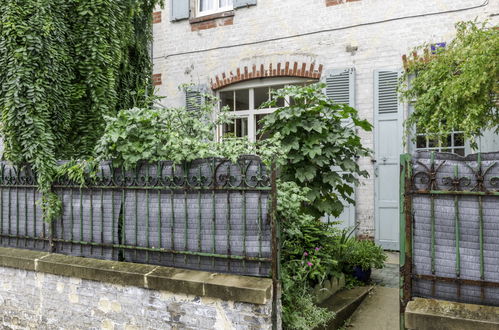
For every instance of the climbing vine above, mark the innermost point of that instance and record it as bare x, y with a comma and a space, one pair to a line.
64, 66
456, 88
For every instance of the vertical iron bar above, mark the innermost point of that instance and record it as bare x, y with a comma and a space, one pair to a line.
72, 219
245, 229
159, 182
34, 212
199, 218
172, 226
25, 216
186, 227
112, 221
102, 220
259, 220
406, 228
17, 216
148, 241
9, 214
136, 218
229, 224
91, 195
480, 214
213, 226
433, 233
81, 220
457, 233
275, 249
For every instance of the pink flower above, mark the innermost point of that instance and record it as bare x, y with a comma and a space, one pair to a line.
305, 254
310, 264
317, 248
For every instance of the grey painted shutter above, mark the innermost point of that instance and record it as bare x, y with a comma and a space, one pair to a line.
244, 3
179, 10
340, 87
194, 97
388, 145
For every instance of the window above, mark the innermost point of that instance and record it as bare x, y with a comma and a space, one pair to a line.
454, 143
244, 101
208, 7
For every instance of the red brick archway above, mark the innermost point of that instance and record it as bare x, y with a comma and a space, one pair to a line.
282, 69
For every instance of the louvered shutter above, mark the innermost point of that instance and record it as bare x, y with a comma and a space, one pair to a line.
385, 92
244, 3
194, 97
340, 87
179, 10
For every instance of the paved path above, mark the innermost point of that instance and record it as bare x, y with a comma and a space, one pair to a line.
380, 310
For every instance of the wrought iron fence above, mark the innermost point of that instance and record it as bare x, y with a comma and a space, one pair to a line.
209, 214
450, 227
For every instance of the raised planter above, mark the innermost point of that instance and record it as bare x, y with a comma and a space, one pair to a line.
323, 291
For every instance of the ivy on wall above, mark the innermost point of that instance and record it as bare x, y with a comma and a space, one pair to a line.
64, 66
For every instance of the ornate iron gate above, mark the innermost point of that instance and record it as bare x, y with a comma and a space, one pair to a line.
449, 226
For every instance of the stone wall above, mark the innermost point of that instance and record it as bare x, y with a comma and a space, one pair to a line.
112, 295
382, 31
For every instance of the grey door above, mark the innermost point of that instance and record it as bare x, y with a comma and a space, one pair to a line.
388, 131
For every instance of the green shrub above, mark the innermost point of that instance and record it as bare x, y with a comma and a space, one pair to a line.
364, 254
320, 149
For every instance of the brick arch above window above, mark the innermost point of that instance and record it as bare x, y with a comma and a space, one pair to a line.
280, 69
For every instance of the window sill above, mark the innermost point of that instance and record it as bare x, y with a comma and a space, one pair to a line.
211, 17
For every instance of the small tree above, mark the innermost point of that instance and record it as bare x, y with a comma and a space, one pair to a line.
319, 141
456, 88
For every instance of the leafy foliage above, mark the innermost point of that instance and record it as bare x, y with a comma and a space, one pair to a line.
306, 258
320, 145
177, 134
456, 90
63, 65
364, 254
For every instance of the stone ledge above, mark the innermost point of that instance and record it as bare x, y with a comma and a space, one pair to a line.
203, 284
440, 314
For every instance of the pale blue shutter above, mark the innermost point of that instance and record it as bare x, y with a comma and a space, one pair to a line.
244, 3
194, 97
179, 10
340, 87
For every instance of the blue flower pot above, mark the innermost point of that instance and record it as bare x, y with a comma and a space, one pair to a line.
362, 275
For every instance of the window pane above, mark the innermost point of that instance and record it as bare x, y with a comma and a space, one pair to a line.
237, 129
242, 99
280, 102
227, 99
225, 3
458, 139
259, 126
460, 152
421, 141
206, 5
261, 96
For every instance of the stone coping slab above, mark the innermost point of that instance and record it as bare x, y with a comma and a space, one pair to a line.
198, 283
440, 314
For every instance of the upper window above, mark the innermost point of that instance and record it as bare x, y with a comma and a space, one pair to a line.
454, 142
245, 101
208, 7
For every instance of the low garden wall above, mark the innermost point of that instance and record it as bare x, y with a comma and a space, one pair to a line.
40, 290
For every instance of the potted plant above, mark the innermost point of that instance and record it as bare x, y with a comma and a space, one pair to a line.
362, 256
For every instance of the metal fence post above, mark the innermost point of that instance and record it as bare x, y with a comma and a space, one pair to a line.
405, 234
275, 248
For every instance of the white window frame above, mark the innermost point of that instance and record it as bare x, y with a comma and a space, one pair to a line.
251, 113
216, 10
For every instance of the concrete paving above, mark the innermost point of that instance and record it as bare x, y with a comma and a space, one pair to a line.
380, 310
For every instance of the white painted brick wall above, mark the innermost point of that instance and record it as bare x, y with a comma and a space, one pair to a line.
381, 46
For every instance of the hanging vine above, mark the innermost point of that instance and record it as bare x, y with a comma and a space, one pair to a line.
64, 65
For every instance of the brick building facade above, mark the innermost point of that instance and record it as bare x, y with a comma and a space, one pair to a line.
227, 45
